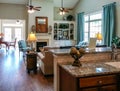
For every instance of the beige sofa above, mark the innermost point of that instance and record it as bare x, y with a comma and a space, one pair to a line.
46, 57
46, 63
46, 60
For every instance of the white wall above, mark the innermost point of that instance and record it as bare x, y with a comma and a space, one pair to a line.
0, 25
46, 10
14, 11
89, 6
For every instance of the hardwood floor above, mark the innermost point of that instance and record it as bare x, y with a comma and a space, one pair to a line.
14, 76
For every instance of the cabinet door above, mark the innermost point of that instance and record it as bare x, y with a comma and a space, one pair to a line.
109, 88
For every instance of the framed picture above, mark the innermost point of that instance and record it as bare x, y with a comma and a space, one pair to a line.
41, 24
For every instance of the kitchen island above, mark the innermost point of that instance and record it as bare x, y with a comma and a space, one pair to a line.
62, 56
97, 76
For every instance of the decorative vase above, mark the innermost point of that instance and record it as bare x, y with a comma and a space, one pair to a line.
77, 54
76, 61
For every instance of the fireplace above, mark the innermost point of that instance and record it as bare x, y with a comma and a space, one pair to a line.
41, 43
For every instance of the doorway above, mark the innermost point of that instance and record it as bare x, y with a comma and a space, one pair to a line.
13, 29
10, 33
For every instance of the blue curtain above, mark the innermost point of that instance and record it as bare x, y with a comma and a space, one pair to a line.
108, 23
80, 27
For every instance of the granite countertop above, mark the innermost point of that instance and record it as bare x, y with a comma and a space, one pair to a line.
60, 51
87, 50
98, 50
92, 69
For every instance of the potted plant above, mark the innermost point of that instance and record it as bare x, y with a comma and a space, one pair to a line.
116, 42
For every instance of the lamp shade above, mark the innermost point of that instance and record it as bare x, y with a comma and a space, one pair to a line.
31, 37
99, 36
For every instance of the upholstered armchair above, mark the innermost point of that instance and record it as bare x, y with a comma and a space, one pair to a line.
46, 62
23, 46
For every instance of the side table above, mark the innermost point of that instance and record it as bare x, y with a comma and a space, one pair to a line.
31, 62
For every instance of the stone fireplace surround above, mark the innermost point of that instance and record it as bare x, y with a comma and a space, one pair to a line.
41, 43
44, 39
54, 43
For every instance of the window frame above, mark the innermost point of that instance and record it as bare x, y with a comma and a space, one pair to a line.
89, 22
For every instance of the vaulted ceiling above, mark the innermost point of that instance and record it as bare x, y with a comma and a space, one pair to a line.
57, 3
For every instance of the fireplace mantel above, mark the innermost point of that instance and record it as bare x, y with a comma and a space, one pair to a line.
44, 37
43, 40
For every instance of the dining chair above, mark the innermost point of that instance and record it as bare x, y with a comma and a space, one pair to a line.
13, 43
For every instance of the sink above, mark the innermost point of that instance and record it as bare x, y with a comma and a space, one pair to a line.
114, 64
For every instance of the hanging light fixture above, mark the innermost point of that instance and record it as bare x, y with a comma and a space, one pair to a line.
31, 11
31, 8
62, 12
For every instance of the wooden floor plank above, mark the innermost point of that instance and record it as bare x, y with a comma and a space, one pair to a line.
14, 77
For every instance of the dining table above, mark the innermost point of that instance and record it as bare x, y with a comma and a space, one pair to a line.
6, 43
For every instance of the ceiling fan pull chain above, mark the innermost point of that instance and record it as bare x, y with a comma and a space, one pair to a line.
62, 3
30, 2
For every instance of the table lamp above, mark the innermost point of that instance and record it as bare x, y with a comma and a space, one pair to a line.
31, 39
99, 37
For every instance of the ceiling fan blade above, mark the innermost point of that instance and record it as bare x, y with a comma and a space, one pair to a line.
66, 11
30, 6
69, 8
62, 9
36, 9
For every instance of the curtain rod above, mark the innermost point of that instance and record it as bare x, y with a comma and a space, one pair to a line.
109, 4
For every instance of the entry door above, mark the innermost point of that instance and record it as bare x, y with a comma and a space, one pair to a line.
10, 33
7, 34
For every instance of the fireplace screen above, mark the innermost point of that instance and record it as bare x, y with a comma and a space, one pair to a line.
40, 44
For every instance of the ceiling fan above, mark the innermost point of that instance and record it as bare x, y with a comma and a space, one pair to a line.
31, 8
63, 10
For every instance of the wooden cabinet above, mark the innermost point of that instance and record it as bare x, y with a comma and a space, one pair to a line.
64, 30
31, 62
108, 82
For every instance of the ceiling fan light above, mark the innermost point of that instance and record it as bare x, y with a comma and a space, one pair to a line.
30, 11
62, 13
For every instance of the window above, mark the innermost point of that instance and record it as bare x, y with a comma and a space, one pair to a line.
93, 25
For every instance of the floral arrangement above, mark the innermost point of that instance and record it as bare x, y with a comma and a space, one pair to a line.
77, 54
